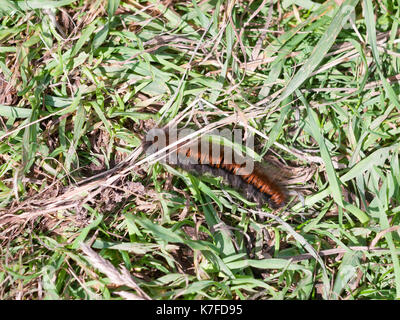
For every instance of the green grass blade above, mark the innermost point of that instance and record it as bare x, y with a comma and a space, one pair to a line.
322, 47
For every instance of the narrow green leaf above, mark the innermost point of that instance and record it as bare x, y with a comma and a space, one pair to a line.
82, 236
34, 4
314, 126
86, 34
370, 23
14, 112
100, 37
112, 6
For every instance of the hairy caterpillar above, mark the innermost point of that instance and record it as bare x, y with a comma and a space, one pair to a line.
258, 182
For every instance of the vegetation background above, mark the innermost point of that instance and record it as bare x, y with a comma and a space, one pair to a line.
84, 214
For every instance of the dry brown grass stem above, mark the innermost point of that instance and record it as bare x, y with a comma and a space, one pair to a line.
120, 277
